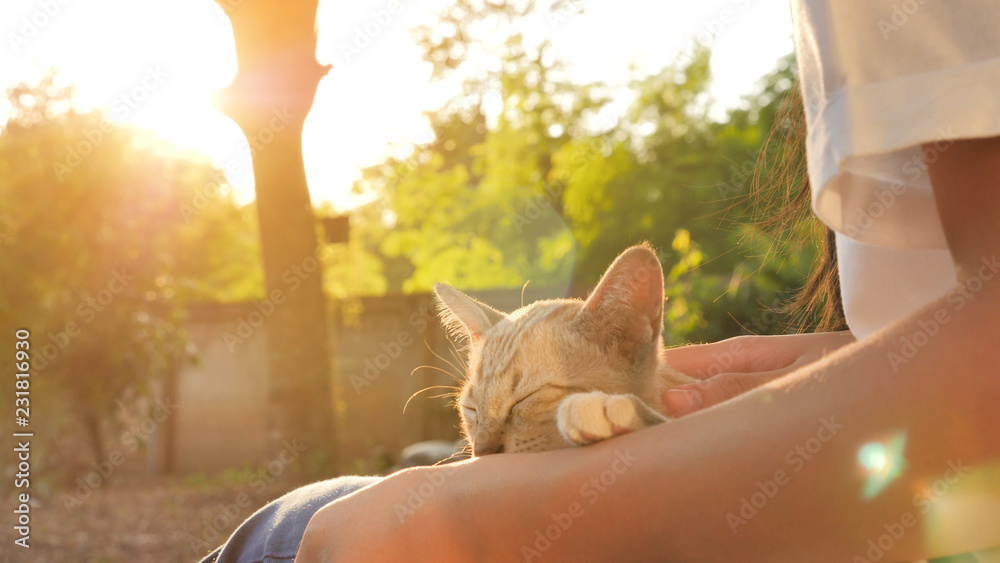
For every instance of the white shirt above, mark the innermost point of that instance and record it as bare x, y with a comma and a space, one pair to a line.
879, 79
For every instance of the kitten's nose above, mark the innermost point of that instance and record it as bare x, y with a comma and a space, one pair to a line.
486, 449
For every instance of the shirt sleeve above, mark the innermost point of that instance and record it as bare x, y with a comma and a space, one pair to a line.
881, 78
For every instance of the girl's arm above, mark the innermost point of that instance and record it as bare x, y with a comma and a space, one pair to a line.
888, 449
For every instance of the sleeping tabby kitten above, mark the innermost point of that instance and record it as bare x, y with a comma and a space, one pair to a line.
565, 372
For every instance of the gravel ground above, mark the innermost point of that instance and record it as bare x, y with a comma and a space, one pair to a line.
138, 521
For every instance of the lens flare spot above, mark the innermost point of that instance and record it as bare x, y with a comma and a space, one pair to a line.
872, 457
881, 463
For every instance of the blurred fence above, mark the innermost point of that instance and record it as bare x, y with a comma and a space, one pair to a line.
222, 399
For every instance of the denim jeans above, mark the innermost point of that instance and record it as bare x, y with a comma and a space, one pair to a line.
274, 532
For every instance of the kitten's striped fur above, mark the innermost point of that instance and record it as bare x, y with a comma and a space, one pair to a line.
565, 372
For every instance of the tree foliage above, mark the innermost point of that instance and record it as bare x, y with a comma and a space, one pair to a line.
106, 232
531, 176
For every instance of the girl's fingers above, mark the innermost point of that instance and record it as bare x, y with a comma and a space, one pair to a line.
693, 397
702, 361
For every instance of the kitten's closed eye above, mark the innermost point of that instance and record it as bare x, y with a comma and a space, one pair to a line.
544, 394
469, 413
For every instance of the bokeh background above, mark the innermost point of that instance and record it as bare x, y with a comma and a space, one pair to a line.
220, 222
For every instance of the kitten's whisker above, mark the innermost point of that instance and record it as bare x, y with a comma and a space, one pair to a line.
438, 356
435, 368
523, 287
455, 353
449, 458
426, 389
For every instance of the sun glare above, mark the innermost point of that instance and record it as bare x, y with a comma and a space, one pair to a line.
155, 64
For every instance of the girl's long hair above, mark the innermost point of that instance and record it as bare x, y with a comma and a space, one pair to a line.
779, 201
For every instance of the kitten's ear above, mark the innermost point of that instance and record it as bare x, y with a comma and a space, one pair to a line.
627, 305
463, 315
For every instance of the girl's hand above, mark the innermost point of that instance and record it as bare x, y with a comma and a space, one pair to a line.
737, 365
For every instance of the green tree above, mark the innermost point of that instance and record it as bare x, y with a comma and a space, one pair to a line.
106, 232
543, 189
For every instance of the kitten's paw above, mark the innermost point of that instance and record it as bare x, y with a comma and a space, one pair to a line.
585, 418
